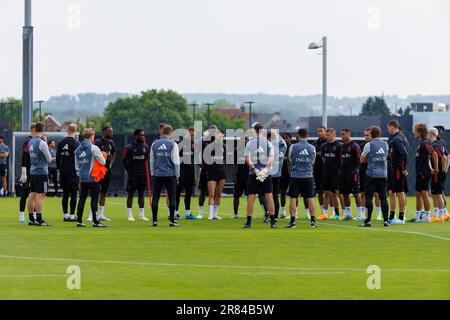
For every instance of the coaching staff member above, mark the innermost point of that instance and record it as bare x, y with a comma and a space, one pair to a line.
375, 154
40, 158
302, 156
85, 157
259, 155
165, 170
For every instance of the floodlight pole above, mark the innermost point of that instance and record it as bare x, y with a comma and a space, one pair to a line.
193, 105
250, 103
27, 69
325, 80
209, 105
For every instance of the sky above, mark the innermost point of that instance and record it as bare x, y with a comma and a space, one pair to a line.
229, 46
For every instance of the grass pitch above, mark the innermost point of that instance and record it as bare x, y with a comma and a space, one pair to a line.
218, 259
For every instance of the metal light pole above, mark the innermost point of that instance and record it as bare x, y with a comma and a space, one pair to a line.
27, 71
40, 102
193, 105
324, 46
208, 105
250, 103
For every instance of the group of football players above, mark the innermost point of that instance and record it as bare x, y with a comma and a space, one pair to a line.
267, 166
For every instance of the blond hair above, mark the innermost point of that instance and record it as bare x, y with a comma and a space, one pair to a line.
88, 133
72, 128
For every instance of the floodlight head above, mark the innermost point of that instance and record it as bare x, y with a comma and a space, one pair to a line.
314, 45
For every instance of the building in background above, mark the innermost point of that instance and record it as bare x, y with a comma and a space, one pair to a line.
51, 124
429, 107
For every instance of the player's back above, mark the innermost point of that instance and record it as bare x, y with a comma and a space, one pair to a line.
302, 156
161, 162
377, 158
65, 155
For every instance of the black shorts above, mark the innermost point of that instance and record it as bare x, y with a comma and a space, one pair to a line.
39, 183
136, 182
437, 183
362, 181
3, 170
376, 185
398, 181
216, 177
284, 183
301, 186
203, 181
331, 182
349, 183
240, 187
389, 179
104, 184
68, 183
318, 181
257, 187
423, 182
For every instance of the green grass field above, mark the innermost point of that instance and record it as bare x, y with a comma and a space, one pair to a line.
218, 259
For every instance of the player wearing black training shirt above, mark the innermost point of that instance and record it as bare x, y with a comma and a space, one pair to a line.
285, 176
215, 168
107, 145
240, 175
398, 160
65, 164
424, 171
350, 162
135, 159
437, 181
441, 141
331, 157
318, 165
203, 179
186, 181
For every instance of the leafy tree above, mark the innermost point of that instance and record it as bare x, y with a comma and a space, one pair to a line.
375, 106
407, 111
96, 122
224, 123
223, 104
147, 111
11, 113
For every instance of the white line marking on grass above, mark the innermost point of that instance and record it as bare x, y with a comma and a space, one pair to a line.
292, 273
212, 266
2, 276
389, 230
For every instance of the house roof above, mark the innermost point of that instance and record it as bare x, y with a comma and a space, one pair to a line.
235, 113
49, 117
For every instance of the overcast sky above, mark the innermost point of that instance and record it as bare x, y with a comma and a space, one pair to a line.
230, 46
